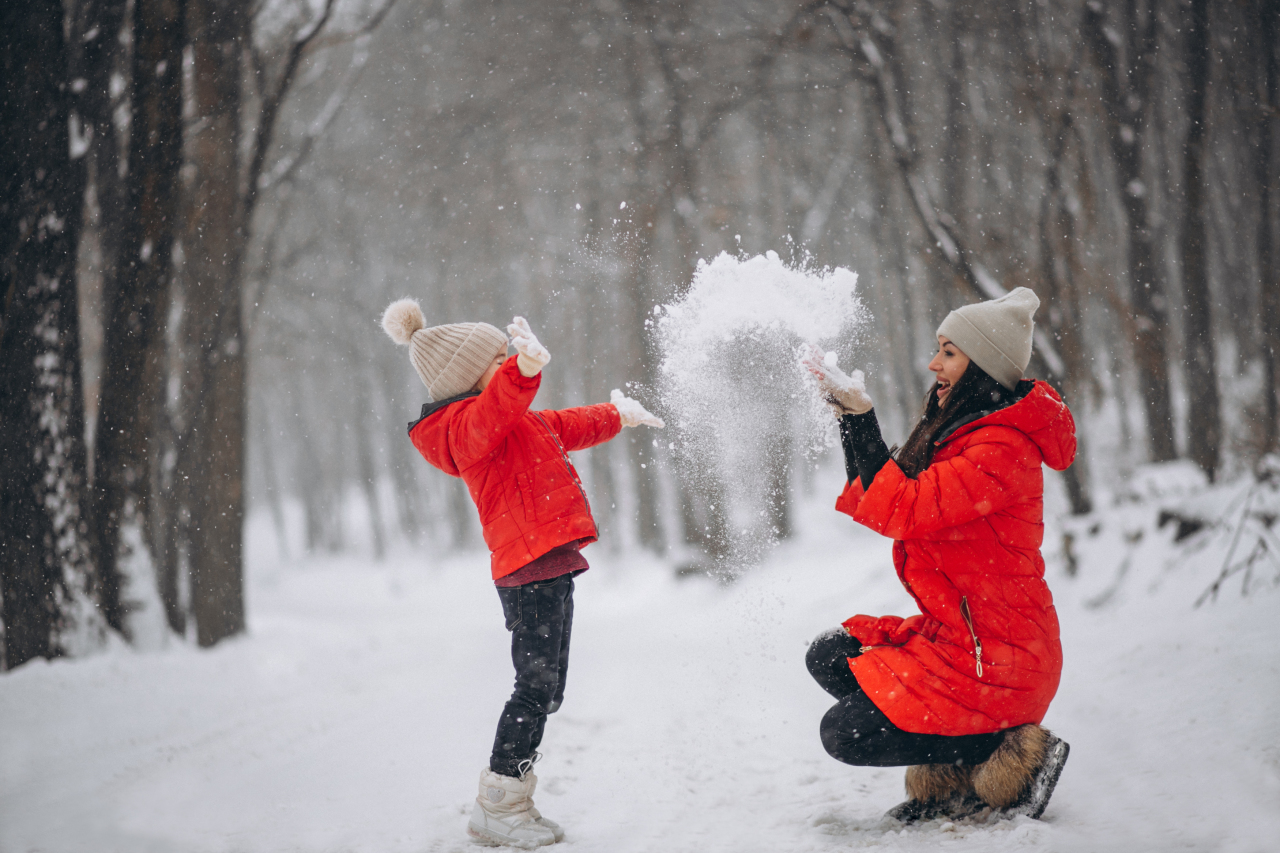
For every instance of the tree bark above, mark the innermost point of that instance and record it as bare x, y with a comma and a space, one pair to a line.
136, 303
211, 448
1268, 76
47, 578
1204, 422
1125, 95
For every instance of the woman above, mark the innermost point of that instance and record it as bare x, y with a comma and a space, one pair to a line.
959, 690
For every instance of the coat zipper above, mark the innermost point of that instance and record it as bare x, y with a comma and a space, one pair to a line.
573, 473
968, 620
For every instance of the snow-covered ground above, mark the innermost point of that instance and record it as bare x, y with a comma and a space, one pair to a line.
357, 713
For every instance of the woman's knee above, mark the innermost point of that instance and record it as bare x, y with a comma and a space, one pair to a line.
823, 650
840, 739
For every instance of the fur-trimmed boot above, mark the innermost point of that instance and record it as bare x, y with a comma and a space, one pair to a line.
504, 813
1020, 775
937, 791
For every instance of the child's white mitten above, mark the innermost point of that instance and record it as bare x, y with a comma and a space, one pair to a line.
632, 413
845, 394
531, 356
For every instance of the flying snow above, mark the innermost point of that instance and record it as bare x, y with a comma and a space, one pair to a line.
738, 400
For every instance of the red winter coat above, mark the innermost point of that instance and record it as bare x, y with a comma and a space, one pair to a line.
968, 533
515, 464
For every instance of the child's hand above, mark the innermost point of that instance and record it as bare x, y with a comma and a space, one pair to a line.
533, 356
846, 395
632, 413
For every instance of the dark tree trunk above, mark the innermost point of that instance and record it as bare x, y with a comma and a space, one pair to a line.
47, 576
1268, 76
1204, 422
212, 447
101, 56
1126, 89
137, 302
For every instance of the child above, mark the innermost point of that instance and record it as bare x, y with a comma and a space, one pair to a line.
536, 519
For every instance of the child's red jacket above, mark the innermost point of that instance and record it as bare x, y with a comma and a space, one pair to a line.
515, 464
968, 533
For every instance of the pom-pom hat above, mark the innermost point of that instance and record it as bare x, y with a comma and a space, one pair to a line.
450, 359
996, 335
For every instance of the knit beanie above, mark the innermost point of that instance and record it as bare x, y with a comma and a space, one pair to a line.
449, 359
996, 335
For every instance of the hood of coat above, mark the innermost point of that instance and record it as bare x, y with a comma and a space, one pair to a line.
1041, 416
430, 432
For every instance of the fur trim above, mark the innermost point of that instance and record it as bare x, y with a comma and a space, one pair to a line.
1006, 775
401, 319
938, 781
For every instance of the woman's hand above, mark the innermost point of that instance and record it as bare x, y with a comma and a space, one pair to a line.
532, 355
846, 395
632, 413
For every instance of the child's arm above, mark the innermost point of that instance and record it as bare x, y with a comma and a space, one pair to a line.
584, 426
506, 398
495, 412
587, 426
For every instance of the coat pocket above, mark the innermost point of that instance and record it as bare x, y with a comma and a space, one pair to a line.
525, 483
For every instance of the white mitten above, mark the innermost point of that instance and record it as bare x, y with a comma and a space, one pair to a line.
632, 413
532, 355
845, 394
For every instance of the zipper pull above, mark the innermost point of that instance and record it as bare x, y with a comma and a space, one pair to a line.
977, 644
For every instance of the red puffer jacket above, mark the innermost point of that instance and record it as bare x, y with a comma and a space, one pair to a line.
515, 464
984, 654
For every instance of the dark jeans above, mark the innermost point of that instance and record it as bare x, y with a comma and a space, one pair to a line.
539, 616
855, 731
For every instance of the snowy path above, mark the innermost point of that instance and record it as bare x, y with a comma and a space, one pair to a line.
357, 715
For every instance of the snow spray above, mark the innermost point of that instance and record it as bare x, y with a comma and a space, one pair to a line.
742, 409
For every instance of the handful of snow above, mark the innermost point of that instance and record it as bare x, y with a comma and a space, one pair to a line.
736, 394
844, 392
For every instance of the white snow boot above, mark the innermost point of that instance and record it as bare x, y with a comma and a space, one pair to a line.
537, 815
504, 813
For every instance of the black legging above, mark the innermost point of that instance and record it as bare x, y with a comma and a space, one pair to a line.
855, 731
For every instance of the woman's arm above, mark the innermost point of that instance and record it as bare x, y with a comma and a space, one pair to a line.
999, 467
865, 452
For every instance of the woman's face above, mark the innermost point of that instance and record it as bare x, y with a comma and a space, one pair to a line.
498, 361
949, 364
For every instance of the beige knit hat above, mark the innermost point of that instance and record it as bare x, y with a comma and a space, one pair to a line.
449, 359
996, 335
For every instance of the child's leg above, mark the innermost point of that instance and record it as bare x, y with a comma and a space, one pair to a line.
563, 661
538, 616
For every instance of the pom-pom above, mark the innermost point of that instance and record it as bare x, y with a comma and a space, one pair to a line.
401, 319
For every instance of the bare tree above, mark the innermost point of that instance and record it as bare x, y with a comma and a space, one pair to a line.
1266, 97
47, 577
1126, 77
136, 301
1204, 422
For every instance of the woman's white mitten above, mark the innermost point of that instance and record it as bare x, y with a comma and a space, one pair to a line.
531, 356
845, 394
632, 413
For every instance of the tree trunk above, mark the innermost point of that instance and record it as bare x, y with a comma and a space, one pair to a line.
1204, 423
47, 577
212, 448
136, 303
1268, 76
101, 58
1125, 96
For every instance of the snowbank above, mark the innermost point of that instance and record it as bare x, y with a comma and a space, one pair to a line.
358, 712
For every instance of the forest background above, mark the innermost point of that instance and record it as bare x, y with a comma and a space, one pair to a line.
207, 203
